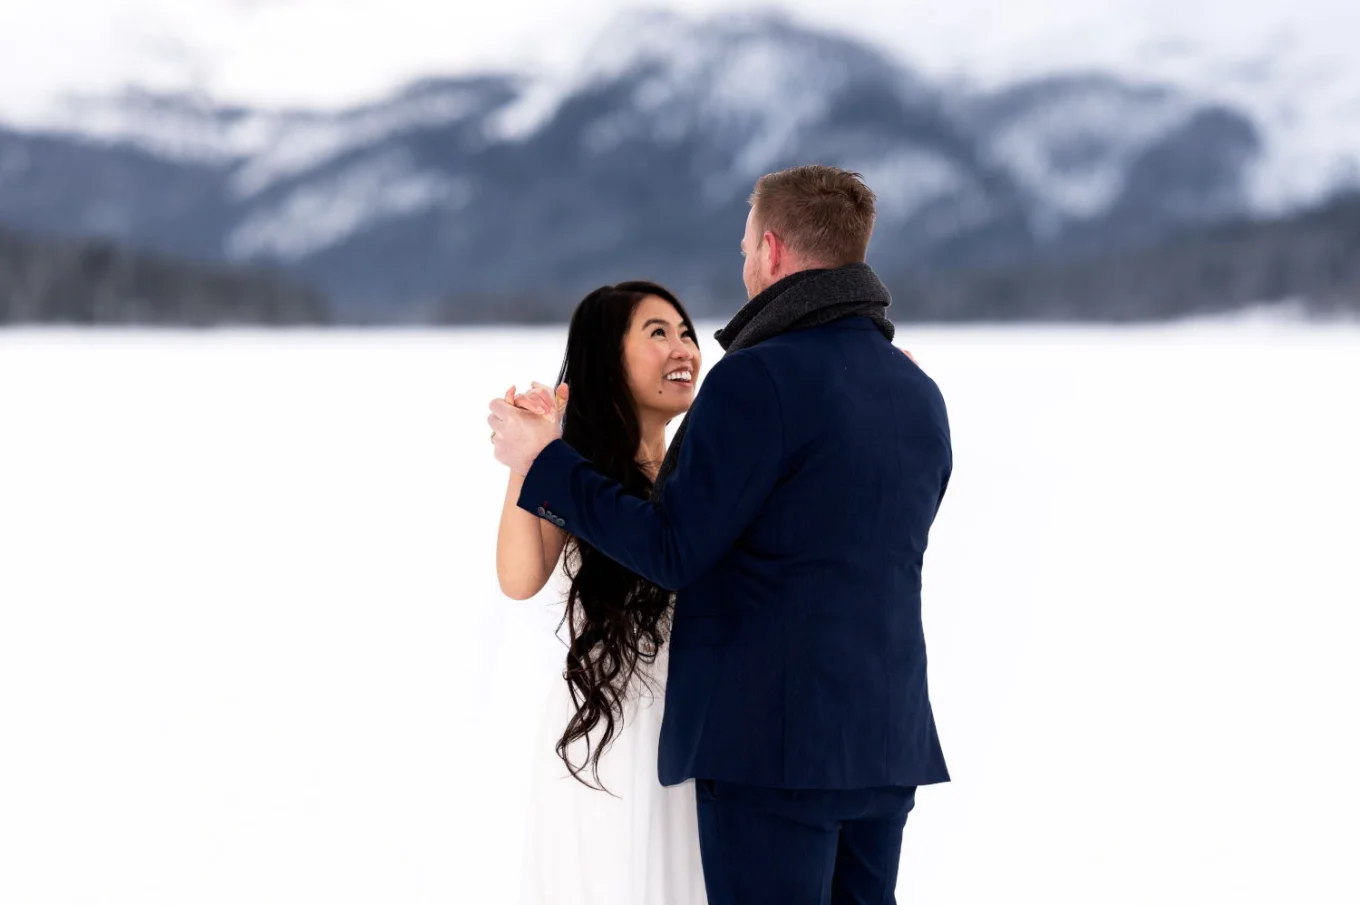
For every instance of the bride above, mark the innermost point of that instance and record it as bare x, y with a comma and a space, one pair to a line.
602, 829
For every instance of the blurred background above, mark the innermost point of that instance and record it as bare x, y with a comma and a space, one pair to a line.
251, 643
404, 162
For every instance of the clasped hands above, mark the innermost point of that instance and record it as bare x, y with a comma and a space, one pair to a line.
522, 424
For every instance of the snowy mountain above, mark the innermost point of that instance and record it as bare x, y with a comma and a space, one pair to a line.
1287, 65
637, 160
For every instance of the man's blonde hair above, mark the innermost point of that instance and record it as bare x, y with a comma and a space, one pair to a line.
824, 214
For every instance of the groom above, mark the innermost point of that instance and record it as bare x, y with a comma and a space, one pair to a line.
791, 517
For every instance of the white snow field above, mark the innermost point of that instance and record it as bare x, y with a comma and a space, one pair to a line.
252, 651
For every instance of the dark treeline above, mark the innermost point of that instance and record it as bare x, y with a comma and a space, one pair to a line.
90, 282
1312, 257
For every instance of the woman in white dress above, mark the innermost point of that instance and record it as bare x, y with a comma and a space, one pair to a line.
602, 829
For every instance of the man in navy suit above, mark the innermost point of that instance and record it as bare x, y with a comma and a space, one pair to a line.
791, 518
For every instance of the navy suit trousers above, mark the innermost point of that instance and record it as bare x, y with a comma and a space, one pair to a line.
763, 846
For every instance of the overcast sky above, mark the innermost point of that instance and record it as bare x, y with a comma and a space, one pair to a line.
329, 52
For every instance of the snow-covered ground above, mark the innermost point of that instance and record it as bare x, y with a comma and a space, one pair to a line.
252, 650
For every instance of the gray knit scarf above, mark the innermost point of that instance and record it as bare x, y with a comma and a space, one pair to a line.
801, 300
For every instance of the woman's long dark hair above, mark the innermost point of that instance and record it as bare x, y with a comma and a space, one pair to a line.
615, 618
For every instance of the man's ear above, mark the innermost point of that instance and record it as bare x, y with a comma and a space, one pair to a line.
778, 253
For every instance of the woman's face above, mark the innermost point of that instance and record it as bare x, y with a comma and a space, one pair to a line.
661, 359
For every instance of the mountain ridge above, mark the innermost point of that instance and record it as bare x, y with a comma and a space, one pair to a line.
497, 184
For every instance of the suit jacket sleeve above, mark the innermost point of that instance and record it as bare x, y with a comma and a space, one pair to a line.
728, 464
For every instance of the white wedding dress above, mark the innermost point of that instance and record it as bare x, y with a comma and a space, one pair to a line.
636, 846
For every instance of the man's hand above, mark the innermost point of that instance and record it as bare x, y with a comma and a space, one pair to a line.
519, 434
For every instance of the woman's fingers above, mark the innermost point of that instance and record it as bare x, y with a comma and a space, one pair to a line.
539, 399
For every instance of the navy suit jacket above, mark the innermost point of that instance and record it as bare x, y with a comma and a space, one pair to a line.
793, 531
